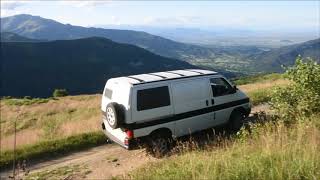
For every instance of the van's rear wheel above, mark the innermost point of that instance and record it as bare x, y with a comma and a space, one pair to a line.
158, 146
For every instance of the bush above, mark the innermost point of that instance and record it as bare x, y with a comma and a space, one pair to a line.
60, 92
302, 97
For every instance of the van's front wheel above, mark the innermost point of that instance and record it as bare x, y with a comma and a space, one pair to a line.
158, 146
236, 121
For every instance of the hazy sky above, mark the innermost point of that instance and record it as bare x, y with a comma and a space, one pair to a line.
229, 14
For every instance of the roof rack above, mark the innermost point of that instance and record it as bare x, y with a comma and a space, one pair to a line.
140, 80
193, 71
163, 77
175, 73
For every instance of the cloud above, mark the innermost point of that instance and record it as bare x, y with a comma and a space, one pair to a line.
9, 8
115, 20
173, 21
88, 4
12, 5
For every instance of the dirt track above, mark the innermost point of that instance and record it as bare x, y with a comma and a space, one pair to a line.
102, 162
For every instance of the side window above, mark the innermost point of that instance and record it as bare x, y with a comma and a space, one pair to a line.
220, 87
153, 98
108, 93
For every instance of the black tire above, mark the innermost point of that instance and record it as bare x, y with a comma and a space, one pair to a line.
236, 121
114, 115
158, 146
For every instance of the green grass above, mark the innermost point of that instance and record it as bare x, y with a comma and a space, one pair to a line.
52, 148
257, 78
25, 101
271, 151
48, 120
260, 96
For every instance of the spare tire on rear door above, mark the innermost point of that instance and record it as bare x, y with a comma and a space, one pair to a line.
115, 115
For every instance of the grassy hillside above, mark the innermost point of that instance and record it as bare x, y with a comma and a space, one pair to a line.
274, 151
47, 125
43, 119
47, 119
54, 119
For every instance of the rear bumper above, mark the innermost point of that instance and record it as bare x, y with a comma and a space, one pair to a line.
131, 143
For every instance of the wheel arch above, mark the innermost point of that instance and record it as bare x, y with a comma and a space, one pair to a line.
240, 110
162, 131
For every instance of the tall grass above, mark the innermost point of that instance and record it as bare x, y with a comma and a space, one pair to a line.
270, 151
260, 96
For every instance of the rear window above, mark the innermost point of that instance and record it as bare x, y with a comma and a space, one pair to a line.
108, 93
153, 98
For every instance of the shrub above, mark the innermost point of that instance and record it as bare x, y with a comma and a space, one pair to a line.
302, 97
60, 93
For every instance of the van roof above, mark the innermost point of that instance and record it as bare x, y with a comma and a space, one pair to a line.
162, 76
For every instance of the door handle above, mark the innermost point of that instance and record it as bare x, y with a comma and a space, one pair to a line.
212, 101
207, 102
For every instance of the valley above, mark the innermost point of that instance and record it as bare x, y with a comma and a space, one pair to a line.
229, 59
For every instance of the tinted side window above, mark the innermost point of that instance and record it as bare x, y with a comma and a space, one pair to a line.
153, 98
220, 87
108, 93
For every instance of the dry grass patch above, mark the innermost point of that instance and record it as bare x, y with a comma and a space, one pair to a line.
46, 121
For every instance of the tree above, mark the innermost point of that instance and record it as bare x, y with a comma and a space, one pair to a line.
60, 92
302, 97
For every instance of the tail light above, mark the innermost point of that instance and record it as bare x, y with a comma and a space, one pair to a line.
129, 134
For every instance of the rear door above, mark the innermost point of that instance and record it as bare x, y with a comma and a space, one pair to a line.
191, 98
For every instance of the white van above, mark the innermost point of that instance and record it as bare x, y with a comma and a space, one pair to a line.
157, 107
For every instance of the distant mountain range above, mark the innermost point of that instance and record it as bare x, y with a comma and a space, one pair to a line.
12, 37
36, 27
223, 36
34, 62
271, 61
81, 66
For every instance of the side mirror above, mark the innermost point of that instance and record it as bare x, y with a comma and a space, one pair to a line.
234, 90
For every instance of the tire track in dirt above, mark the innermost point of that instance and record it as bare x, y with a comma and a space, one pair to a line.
103, 162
